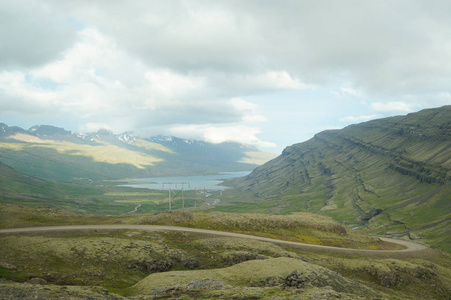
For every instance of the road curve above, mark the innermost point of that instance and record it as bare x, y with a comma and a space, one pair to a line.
409, 246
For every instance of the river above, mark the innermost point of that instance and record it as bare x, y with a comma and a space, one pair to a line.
209, 182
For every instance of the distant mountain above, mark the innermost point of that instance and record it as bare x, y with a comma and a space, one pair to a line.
54, 153
389, 175
46, 130
6, 130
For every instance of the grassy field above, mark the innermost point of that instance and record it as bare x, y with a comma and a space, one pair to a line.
195, 266
299, 227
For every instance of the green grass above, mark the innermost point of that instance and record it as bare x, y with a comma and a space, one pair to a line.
307, 228
117, 260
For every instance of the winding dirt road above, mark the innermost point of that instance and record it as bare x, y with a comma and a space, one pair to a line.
410, 247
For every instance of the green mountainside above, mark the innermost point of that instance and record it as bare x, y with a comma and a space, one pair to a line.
18, 183
387, 176
56, 154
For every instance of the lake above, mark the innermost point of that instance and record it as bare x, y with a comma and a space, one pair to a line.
209, 182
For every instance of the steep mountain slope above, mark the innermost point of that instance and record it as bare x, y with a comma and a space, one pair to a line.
54, 153
389, 175
11, 182
28, 190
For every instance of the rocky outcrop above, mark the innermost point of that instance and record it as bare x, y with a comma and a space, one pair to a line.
295, 279
37, 281
205, 284
154, 266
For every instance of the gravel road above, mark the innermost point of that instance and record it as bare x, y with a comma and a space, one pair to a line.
410, 247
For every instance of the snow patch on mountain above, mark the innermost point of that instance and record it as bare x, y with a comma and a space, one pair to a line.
126, 138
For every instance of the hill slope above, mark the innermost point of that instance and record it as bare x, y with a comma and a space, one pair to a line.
389, 176
54, 153
140, 263
18, 183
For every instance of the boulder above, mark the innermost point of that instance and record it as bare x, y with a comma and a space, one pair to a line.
205, 284
37, 280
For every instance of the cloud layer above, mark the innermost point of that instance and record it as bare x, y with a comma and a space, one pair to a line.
198, 68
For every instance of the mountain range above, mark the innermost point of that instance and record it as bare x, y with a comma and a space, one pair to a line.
387, 176
54, 153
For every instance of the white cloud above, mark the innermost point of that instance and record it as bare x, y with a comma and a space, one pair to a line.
156, 65
280, 80
95, 82
392, 107
23, 95
248, 110
387, 48
220, 134
282, 46
351, 92
93, 127
169, 84
243, 105
92, 52
32, 33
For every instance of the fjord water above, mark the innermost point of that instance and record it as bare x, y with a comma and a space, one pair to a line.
209, 182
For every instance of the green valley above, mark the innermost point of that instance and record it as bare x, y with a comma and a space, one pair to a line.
340, 193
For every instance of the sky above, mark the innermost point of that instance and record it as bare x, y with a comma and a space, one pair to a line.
260, 72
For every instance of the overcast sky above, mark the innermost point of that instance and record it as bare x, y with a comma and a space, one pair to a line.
266, 73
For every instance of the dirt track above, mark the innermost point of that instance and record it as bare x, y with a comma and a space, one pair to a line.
411, 247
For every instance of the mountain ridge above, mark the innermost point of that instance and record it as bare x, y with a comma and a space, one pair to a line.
118, 156
389, 176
